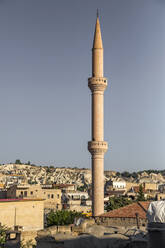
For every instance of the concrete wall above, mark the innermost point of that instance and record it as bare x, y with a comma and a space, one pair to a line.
28, 214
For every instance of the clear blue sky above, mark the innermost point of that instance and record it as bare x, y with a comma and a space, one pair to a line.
45, 60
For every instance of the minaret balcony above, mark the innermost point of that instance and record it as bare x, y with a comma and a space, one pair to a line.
97, 83
97, 147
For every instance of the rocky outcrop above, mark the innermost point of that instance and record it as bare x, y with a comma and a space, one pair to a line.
22, 173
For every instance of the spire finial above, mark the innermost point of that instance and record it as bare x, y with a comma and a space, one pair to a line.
97, 42
97, 13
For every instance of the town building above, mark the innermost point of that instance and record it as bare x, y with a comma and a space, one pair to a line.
115, 185
76, 201
130, 215
150, 187
25, 213
51, 196
65, 187
160, 196
3, 193
129, 185
161, 188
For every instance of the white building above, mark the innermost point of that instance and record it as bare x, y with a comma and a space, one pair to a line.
119, 184
115, 185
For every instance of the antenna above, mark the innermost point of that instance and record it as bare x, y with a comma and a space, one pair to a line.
97, 14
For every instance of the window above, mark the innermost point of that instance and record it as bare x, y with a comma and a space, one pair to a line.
48, 196
25, 193
52, 196
58, 196
31, 192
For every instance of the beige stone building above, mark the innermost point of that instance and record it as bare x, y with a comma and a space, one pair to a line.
130, 185
28, 214
160, 196
65, 187
76, 201
51, 196
150, 186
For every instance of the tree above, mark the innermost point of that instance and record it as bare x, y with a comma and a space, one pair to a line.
117, 202
18, 161
62, 217
83, 188
3, 230
125, 174
140, 196
134, 175
118, 174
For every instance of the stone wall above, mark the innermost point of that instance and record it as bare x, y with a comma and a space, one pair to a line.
80, 208
120, 221
28, 236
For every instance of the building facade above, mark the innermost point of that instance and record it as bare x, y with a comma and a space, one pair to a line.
29, 213
51, 196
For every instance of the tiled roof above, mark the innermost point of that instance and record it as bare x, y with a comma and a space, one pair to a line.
136, 189
129, 211
63, 185
115, 192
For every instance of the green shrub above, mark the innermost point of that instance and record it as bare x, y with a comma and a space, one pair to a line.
140, 196
62, 217
117, 202
3, 230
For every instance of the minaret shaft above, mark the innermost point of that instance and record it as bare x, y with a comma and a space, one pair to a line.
97, 147
97, 185
97, 116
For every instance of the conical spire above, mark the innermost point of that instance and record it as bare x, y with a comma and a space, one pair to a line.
97, 42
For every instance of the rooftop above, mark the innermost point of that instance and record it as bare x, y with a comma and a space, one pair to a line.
129, 211
20, 200
136, 189
63, 185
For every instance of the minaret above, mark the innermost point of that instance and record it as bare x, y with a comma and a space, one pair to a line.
97, 147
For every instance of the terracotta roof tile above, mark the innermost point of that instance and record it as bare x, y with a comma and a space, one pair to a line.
129, 211
62, 185
136, 189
